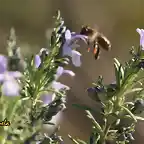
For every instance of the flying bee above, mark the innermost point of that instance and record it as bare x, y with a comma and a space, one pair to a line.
97, 39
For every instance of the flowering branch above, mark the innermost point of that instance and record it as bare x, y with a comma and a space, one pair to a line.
30, 92
31, 95
122, 102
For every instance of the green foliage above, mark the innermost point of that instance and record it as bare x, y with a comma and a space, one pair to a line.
27, 112
121, 102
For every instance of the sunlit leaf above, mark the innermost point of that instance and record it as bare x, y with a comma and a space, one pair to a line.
139, 118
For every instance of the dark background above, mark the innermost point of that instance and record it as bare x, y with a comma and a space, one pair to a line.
118, 20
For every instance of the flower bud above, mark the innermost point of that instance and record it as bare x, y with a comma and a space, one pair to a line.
138, 106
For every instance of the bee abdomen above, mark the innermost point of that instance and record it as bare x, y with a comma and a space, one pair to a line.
104, 43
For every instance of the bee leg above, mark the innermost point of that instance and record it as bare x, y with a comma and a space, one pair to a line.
88, 50
96, 50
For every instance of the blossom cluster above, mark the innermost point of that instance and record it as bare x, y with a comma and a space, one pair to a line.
32, 83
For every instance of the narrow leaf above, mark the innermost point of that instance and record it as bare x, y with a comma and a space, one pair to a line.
139, 118
128, 111
73, 140
98, 127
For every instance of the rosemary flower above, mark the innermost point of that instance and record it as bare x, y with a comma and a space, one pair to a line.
61, 70
37, 61
94, 92
141, 32
49, 96
40, 57
69, 44
10, 86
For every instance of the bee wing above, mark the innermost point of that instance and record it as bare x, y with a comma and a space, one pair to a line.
78, 38
96, 27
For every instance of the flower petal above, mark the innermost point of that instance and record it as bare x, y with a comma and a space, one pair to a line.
58, 86
138, 30
93, 94
59, 72
9, 75
76, 58
66, 50
69, 72
141, 32
91, 89
67, 34
2, 77
3, 64
10, 88
78, 36
47, 97
142, 41
37, 61
15, 74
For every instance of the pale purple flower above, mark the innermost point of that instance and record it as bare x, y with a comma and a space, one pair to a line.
68, 47
37, 61
61, 70
76, 60
10, 86
37, 58
141, 32
58, 86
3, 64
48, 97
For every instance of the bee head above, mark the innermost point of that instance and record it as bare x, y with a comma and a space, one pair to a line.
85, 30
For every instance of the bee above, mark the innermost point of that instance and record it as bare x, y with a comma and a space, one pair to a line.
97, 39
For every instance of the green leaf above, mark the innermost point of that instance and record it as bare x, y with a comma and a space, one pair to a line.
109, 107
81, 141
139, 118
134, 90
97, 126
58, 15
119, 72
97, 139
129, 112
77, 141
116, 67
122, 73
73, 140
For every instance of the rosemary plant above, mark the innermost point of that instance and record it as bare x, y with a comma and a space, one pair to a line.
30, 92
122, 102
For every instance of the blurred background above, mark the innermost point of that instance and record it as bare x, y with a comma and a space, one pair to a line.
118, 20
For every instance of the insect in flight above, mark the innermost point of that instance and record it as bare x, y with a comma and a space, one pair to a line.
97, 39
